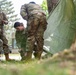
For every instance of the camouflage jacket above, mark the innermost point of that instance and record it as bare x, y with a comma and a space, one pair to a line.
29, 9
3, 20
21, 37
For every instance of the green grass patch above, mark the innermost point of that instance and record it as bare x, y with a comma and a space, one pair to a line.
31, 68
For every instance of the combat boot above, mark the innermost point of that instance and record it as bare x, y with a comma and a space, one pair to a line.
28, 56
38, 55
7, 57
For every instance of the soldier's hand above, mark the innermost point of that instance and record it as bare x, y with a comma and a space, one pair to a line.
25, 17
5, 22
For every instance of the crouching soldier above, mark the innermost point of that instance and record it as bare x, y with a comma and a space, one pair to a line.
21, 36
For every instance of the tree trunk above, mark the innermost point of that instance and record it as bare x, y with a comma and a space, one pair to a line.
51, 4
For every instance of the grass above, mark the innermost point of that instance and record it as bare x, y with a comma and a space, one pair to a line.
32, 68
56, 66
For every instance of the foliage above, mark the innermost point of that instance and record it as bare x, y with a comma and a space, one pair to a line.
44, 7
7, 7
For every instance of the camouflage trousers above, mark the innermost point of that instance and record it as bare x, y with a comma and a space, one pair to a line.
1, 46
36, 25
21, 43
22, 54
4, 44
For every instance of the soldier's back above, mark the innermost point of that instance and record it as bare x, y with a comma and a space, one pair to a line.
33, 8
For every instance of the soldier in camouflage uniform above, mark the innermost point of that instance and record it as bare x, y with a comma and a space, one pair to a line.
21, 36
4, 41
36, 25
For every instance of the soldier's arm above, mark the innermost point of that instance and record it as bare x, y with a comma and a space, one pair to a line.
23, 12
5, 20
17, 37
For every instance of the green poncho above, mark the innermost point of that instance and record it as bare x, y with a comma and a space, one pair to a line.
61, 28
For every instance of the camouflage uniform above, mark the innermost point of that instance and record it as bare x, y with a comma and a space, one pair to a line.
36, 25
21, 37
2, 37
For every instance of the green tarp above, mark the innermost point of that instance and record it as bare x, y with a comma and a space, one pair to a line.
61, 27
